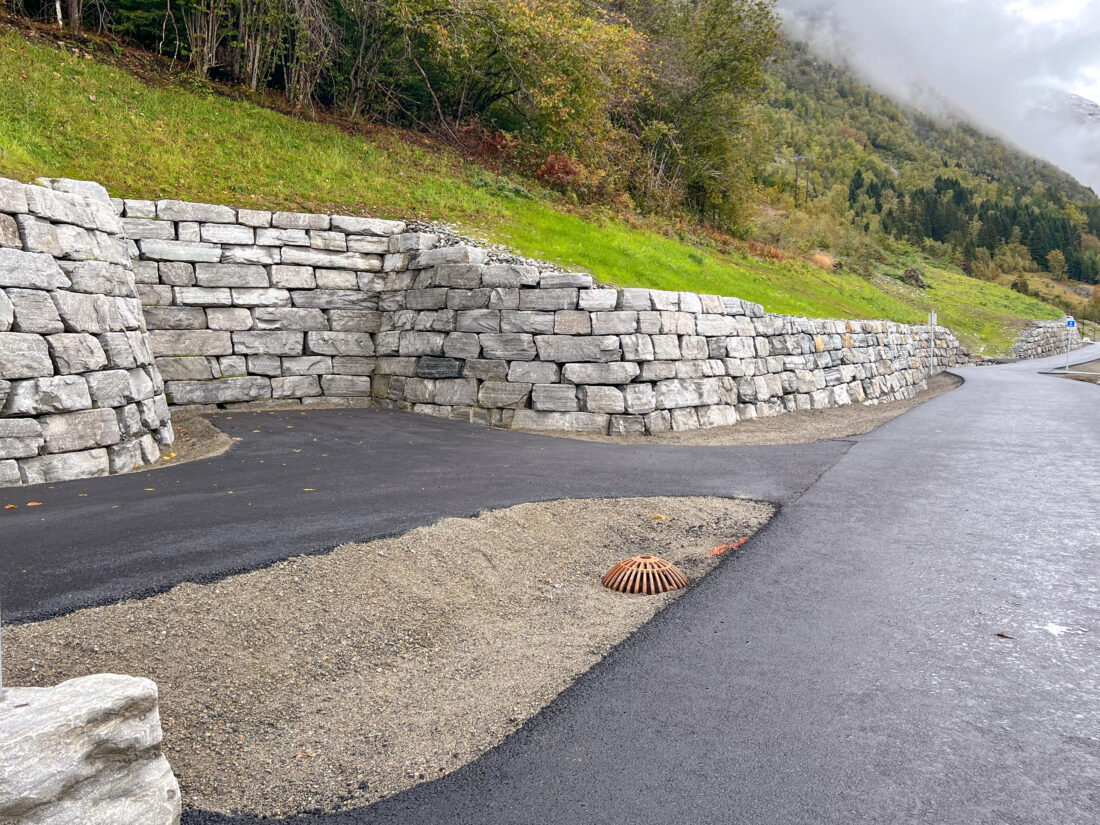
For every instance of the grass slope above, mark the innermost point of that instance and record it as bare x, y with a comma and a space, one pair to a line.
65, 114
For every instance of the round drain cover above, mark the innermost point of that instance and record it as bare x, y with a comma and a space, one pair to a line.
646, 575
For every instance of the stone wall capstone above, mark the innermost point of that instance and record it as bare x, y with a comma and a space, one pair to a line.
80, 394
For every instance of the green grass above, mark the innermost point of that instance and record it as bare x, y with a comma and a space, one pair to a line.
64, 115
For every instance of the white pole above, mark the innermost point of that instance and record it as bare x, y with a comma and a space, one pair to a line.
1069, 339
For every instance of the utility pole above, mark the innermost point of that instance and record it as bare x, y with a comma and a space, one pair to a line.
797, 160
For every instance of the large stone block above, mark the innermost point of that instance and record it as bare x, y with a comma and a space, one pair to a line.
173, 210
346, 385
7, 312
565, 348
573, 422
548, 299
63, 467
433, 367
340, 343
69, 432
226, 233
295, 386
508, 346
175, 318
161, 250
76, 352
268, 343
231, 275
601, 399
334, 299
478, 320
83, 313
557, 397
512, 320
331, 260
87, 751
367, 226
30, 270
13, 196
676, 393
285, 318
220, 391
355, 320
496, 394
421, 343
99, 278
197, 342
60, 393
19, 438
616, 372
34, 311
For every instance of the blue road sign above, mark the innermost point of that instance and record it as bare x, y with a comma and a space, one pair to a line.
1071, 323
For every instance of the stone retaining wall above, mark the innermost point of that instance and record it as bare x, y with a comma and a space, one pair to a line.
1044, 338
79, 392
246, 305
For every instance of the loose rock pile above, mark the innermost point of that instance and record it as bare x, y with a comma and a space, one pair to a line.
79, 392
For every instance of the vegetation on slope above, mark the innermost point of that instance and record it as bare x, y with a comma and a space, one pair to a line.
64, 113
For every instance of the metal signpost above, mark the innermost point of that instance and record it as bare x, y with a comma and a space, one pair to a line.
1070, 324
931, 343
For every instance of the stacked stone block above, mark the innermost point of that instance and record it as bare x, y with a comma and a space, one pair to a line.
80, 395
245, 305
1045, 338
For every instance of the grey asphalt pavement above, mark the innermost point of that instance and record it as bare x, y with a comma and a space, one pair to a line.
914, 638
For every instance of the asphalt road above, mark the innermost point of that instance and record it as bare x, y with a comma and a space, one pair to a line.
914, 638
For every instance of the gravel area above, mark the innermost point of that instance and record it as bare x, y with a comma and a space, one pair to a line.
326, 682
196, 438
800, 427
1092, 368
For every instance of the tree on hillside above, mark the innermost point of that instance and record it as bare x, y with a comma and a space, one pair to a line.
1056, 264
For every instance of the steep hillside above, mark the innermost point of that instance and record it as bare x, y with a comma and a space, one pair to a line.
64, 112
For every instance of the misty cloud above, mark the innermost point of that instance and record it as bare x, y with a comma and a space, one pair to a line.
992, 60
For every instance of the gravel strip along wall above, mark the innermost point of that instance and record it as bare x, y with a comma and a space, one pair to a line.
80, 395
1044, 338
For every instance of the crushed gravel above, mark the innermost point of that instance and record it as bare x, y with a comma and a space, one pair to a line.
326, 682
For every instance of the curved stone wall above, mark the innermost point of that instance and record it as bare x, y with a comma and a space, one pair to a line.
1045, 338
80, 394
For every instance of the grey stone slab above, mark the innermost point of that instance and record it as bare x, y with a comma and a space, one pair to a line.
34, 311
299, 220
270, 297
307, 365
162, 250
449, 255
679, 393
198, 342
354, 320
367, 226
500, 394
509, 346
548, 299
334, 299
365, 243
289, 276
577, 422
99, 278
187, 368
295, 386
346, 385
173, 210
109, 388
464, 345
75, 353
65, 467
73, 431
220, 391
175, 318
615, 372
138, 229
286, 318
82, 313
233, 319
7, 312
268, 343
555, 397
30, 270
567, 348
331, 260
229, 233
263, 255
336, 279
340, 343
434, 367
598, 399
514, 320
133, 208
282, 237
468, 298
421, 343
231, 275
9, 232
478, 320
13, 196
509, 275
201, 296
254, 217
353, 365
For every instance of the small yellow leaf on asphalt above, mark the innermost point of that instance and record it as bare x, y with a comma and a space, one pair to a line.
658, 517
10, 506
229, 492
34, 503
150, 489
82, 495
255, 431
237, 438
307, 490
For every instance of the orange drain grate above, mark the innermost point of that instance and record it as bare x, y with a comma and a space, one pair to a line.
647, 575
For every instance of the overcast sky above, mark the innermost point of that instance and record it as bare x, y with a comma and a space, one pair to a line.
993, 58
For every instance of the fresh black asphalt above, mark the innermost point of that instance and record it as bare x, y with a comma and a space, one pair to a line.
914, 638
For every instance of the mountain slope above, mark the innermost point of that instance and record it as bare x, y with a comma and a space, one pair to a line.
64, 113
